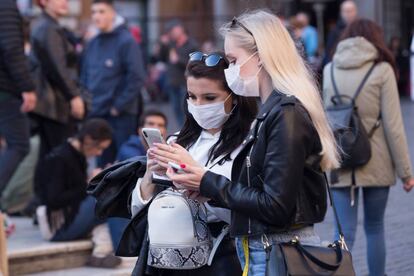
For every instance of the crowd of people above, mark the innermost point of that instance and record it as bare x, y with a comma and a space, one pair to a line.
254, 144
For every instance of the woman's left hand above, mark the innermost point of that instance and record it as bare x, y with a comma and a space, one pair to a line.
190, 179
172, 153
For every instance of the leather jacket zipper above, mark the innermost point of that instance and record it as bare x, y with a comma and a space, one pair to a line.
248, 165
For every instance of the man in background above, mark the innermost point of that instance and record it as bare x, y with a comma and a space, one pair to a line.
113, 71
309, 36
136, 145
180, 48
17, 95
348, 13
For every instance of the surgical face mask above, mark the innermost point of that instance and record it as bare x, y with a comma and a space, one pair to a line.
209, 116
243, 87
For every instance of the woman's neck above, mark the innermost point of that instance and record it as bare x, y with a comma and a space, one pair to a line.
265, 86
213, 130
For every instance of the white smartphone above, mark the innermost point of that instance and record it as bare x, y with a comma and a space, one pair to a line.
152, 135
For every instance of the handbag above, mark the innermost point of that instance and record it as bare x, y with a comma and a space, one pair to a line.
294, 258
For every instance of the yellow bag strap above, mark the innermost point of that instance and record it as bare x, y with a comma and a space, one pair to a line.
245, 243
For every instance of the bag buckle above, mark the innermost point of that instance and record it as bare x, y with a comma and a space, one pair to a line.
295, 240
343, 243
266, 244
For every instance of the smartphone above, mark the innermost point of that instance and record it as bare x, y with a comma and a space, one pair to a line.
176, 167
152, 135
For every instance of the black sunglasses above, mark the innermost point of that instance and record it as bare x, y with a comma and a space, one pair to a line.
235, 22
210, 60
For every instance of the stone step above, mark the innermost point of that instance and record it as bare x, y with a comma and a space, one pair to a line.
29, 254
124, 269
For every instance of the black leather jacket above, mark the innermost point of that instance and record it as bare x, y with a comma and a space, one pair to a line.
54, 67
286, 188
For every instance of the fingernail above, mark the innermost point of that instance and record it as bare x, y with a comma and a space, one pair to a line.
183, 166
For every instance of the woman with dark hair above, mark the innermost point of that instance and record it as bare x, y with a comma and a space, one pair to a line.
216, 123
361, 48
66, 211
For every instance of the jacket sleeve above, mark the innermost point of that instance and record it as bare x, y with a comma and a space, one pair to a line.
11, 48
57, 196
57, 61
133, 64
393, 124
288, 137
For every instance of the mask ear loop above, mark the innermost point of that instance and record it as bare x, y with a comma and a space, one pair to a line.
249, 58
234, 106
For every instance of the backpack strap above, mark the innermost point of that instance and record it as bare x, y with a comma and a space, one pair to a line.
364, 80
216, 243
375, 127
335, 87
361, 85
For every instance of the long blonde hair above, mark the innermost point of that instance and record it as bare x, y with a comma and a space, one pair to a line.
288, 71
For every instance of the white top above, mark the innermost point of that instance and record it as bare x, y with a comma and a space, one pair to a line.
199, 151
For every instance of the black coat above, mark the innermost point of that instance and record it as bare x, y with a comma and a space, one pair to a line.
63, 178
287, 188
15, 77
54, 62
112, 189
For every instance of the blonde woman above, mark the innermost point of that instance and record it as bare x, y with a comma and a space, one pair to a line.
279, 189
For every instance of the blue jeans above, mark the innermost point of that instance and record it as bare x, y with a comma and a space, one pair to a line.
123, 126
177, 97
14, 128
257, 255
85, 221
375, 201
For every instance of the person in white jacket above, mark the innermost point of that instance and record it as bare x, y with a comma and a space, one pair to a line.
217, 121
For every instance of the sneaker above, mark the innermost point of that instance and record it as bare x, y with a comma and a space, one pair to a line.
109, 261
9, 226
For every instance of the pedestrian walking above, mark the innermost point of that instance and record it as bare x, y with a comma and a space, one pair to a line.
362, 49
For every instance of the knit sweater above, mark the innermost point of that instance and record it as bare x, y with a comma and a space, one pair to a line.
14, 70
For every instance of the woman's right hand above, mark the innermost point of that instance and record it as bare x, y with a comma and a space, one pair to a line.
408, 185
77, 107
147, 188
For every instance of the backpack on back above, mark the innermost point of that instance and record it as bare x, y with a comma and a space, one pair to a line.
350, 134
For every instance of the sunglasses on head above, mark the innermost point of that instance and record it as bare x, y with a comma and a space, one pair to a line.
235, 22
209, 60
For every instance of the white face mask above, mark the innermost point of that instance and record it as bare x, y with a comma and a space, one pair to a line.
243, 87
209, 116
